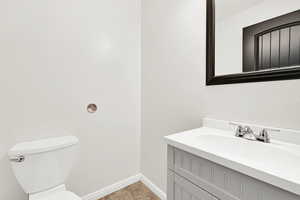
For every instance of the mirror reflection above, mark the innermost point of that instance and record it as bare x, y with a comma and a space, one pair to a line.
256, 35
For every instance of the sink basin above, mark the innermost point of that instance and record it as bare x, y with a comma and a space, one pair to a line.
276, 163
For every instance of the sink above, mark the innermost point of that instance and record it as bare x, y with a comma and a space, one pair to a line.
277, 163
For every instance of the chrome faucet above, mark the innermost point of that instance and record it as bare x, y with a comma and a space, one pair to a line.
247, 133
263, 135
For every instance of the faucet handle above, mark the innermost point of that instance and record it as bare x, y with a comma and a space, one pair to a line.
239, 131
264, 136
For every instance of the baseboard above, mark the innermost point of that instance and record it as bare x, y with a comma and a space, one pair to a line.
124, 183
156, 190
112, 188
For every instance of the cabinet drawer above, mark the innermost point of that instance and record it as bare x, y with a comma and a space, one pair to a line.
181, 189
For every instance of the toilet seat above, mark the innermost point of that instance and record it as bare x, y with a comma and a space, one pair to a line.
63, 195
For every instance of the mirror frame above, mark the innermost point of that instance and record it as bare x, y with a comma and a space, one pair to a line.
258, 76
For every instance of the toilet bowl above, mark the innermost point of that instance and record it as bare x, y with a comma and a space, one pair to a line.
42, 167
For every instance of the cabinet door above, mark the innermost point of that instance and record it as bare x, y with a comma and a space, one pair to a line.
181, 189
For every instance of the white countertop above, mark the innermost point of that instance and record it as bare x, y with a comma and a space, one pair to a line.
277, 163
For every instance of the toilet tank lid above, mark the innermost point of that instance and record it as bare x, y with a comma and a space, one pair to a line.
44, 145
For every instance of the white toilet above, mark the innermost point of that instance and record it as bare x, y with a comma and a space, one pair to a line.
41, 167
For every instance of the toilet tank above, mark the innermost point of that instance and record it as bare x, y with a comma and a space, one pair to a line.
46, 163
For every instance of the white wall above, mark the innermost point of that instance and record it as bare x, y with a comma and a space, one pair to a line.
230, 60
174, 95
56, 57
172, 55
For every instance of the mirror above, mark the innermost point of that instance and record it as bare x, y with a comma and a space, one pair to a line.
253, 40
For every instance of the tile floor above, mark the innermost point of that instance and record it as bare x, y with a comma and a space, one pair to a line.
136, 191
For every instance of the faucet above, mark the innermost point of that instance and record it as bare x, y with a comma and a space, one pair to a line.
247, 133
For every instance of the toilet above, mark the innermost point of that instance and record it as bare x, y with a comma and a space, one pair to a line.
42, 167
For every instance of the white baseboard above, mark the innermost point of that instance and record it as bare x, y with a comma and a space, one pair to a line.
112, 188
124, 183
156, 190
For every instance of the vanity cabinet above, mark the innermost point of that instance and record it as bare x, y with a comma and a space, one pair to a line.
191, 177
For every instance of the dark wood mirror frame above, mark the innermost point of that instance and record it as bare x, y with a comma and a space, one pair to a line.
211, 79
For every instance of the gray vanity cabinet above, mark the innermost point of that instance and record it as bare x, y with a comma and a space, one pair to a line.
194, 178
